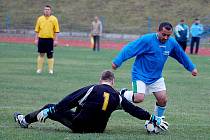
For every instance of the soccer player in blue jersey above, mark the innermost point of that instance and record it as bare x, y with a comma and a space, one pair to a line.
151, 52
94, 105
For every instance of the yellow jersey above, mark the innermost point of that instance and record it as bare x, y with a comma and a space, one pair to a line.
46, 27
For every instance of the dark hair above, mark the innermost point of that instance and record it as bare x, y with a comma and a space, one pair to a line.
48, 6
165, 25
107, 75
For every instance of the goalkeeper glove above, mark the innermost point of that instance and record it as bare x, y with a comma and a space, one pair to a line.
43, 115
159, 122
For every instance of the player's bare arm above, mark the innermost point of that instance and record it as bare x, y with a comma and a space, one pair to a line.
55, 43
36, 39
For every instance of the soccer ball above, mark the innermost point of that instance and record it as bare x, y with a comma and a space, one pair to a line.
151, 128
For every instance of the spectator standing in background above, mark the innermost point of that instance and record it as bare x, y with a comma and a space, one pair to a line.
196, 30
96, 32
181, 33
46, 29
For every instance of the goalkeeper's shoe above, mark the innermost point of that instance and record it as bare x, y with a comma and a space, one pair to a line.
20, 119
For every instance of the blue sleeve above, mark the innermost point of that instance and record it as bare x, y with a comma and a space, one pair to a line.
130, 50
188, 31
201, 29
178, 54
72, 100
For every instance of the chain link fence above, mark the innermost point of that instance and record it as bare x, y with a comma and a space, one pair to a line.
25, 27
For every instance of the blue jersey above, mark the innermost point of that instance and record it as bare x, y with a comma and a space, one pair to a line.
196, 30
151, 55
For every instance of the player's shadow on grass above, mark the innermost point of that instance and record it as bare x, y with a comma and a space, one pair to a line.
127, 130
108, 131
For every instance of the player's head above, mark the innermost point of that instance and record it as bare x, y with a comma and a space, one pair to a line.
107, 77
96, 18
164, 31
47, 10
197, 21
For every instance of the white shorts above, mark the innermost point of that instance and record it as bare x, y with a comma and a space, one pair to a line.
140, 87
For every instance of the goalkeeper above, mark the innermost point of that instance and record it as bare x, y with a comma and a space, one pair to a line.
94, 105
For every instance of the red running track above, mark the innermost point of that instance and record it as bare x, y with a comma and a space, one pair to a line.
84, 43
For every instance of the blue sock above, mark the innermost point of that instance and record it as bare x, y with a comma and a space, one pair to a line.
159, 110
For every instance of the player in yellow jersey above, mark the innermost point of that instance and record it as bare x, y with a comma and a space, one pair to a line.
47, 28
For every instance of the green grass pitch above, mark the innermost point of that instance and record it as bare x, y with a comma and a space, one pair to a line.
21, 89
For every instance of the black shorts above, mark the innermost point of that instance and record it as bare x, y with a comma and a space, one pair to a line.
45, 45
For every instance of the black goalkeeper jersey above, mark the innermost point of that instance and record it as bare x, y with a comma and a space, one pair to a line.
94, 105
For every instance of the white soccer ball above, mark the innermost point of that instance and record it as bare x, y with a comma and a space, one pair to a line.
151, 128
